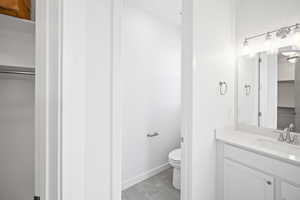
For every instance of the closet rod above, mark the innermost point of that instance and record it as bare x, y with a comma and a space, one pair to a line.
17, 72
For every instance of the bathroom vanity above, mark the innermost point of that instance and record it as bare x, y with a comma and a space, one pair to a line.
257, 167
260, 158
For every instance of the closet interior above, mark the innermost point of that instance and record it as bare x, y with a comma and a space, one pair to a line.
17, 99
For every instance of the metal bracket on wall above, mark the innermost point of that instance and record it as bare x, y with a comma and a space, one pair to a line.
247, 89
152, 134
223, 88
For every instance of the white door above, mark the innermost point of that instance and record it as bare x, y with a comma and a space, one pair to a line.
297, 96
248, 91
268, 90
289, 192
242, 183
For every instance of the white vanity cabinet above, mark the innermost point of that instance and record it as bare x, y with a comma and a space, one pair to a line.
251, 175
289, 192
241, 182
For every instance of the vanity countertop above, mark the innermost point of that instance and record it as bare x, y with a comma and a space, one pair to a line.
261, 144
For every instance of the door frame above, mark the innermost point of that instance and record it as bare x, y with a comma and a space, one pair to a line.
48, 91
186, 99
48, 99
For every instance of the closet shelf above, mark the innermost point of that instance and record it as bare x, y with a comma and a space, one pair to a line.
27, 67
286, 107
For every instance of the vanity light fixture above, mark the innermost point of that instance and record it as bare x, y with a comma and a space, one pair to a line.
268, 40
289, 53
296, 36
246, 49
268, 36
281, 33
246, 43
296, 29
293, 59
293, 55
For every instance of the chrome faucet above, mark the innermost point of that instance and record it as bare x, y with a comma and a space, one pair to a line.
286, 135
281, 137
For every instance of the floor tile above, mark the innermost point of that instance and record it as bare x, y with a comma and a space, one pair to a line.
158, 187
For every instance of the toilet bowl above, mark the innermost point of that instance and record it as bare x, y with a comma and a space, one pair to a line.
175, 162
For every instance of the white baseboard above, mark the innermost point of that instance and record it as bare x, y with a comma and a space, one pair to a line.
131, 182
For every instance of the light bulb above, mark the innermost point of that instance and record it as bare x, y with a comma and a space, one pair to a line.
283, 32
246, 48
296, 35
293, 60
289, 53
268, 42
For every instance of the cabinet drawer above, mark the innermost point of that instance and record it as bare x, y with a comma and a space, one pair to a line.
266, 164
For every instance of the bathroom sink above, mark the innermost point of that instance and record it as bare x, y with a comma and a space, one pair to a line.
292, 151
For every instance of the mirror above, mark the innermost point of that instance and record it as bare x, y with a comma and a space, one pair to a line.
269, 89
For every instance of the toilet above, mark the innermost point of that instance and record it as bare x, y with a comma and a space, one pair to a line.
175, 161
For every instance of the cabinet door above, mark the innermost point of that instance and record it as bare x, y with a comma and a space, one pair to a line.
242, 183
289, 192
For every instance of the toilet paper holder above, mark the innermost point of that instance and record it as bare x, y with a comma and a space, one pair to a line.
223, 88
152, 134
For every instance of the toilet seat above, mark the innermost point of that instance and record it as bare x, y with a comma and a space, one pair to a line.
175, 162
175, 157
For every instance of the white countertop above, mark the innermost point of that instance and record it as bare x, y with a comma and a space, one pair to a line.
261, 144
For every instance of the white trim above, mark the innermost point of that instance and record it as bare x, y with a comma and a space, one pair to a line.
187, 124
54, 77
145, 175
48, 100
187, 100
236, 78
116, 139
41, 109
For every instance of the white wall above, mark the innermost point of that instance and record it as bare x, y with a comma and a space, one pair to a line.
17, 38
98, 156
17, 137
87, 99
74, 100
151, 78
214, 61
257, 16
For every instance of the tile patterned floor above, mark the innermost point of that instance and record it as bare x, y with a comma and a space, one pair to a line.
158, 187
